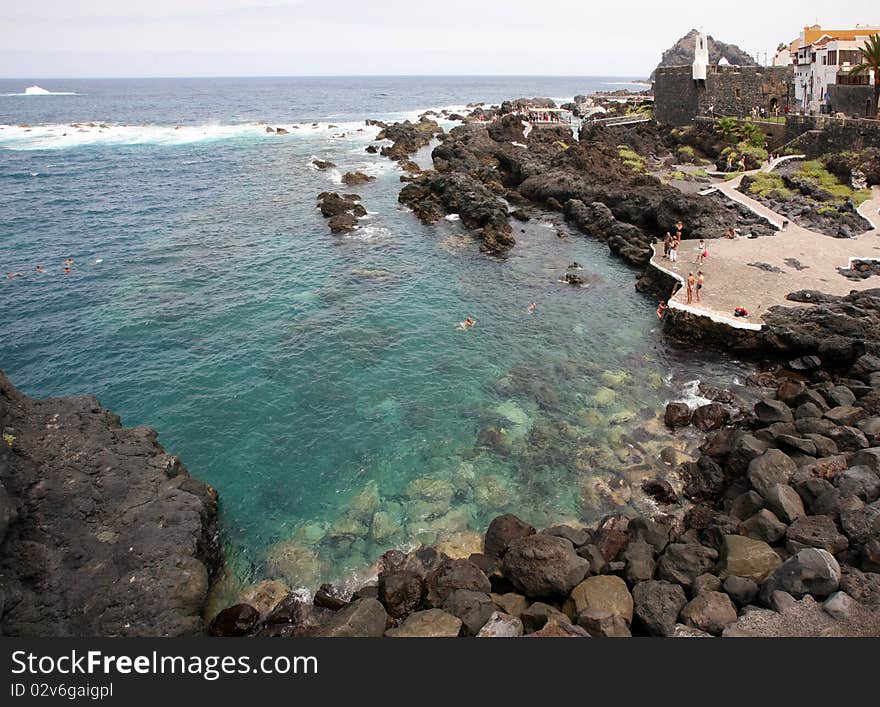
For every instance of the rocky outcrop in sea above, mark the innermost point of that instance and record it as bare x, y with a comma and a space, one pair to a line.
102, 532
480, 170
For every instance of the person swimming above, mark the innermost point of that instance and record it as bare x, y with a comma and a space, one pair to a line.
67, 270
68, 262
39, 268
466, 323
533, 306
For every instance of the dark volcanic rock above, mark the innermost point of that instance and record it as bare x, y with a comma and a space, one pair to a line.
502, 531
432, 194
544, 566
657, 605
452, 575
362, 618
677, 415
112, 537
237, 620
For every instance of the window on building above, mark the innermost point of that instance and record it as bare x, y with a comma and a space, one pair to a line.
848, 56
832, 58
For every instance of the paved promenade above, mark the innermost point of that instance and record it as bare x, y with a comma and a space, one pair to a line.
804, 259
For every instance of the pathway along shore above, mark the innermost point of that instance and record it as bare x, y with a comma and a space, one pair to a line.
758, 273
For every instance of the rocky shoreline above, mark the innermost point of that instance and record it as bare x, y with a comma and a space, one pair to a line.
776, 529
102, 532
779, 534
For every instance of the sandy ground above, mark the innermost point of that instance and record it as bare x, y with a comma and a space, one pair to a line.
805, 260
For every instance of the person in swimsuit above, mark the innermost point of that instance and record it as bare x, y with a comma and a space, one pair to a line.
661, 310
701, 252
533, 306
699, 284
690, 288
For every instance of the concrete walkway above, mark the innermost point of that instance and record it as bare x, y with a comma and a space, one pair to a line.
797, 259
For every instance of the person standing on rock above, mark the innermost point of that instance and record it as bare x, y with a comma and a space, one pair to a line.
667, 245
702, 252
690, 288
699, 287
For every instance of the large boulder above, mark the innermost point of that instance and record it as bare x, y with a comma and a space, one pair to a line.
817, 531
744, 557
712, 416
784, 501
501, 625
538, 614
656, 606
764, 525
400, 592
431, 623
502, 531
677, 415
639, 558
237, 620
861, 524
604, 593
452, 575
603, 624
811, 571
363, 618
858, 480
770, 411
473, 608
544, 565
559, 629
681, 563
710, 612
772, 467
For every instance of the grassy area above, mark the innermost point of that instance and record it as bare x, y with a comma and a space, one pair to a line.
631, 159
766, 185
815, 172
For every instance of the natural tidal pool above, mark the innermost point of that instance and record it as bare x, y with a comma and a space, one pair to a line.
319, 382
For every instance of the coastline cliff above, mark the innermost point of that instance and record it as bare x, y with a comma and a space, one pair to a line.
102, 533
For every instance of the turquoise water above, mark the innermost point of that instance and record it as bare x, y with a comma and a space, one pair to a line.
318, 381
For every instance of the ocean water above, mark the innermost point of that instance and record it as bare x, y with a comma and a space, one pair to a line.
319, 381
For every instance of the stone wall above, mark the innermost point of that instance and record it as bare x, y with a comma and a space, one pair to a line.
852, 101
816, 135
728, 90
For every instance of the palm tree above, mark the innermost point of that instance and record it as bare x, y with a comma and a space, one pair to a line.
871, 62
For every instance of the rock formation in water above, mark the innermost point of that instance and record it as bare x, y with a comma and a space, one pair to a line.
102, 533
682, 53
593, 181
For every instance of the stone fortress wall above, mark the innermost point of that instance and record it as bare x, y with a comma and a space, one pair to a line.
727, 90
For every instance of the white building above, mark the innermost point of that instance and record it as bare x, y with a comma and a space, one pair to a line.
826, 57
701, 57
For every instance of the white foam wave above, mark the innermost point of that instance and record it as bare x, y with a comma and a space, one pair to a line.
40, 91
691, 395
66, 136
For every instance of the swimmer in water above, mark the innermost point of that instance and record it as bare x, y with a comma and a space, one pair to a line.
12, 275
467, 323
68, 262
39, 268
533, 306
67, 270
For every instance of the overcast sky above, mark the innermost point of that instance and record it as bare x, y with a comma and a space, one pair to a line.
102, 38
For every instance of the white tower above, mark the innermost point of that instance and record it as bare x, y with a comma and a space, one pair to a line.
701, 57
